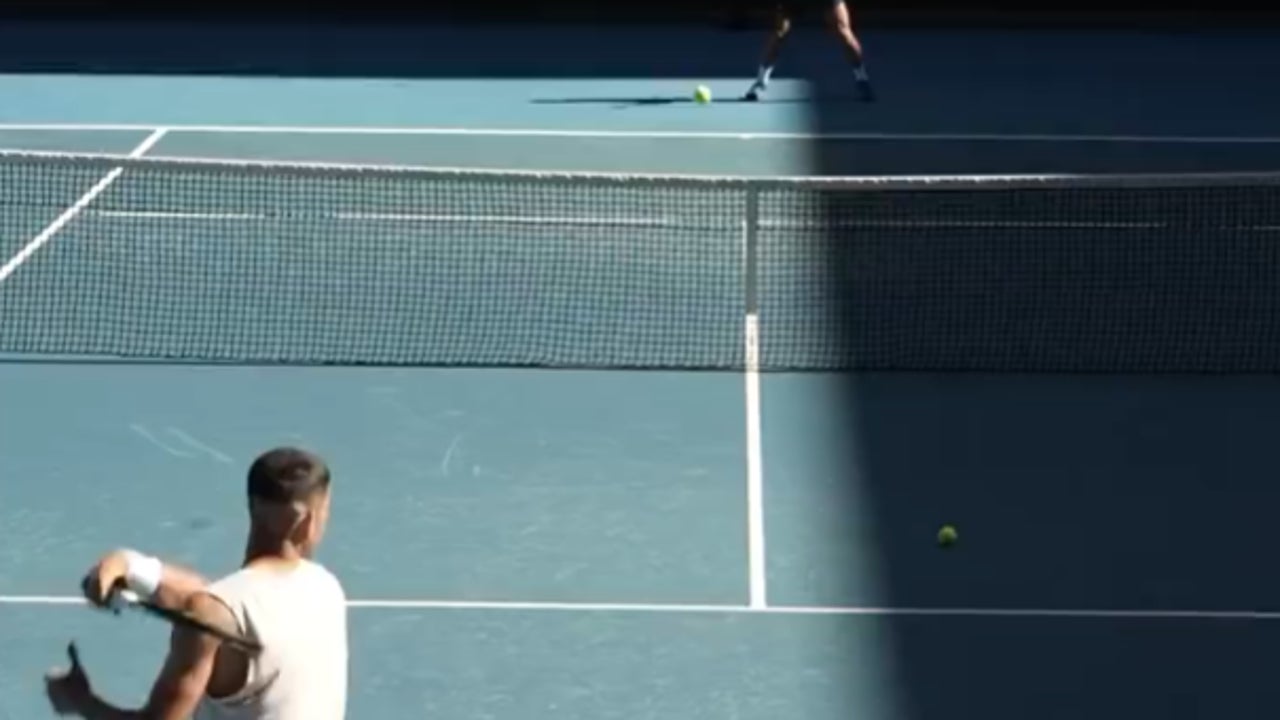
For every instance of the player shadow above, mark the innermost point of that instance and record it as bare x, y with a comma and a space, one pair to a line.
657, 100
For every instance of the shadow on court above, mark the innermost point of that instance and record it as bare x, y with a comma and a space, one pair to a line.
1070, 492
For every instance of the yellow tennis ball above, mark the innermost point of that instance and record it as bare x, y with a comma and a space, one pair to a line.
947, 536
702, 94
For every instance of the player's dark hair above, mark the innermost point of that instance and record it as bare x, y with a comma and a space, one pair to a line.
287, 475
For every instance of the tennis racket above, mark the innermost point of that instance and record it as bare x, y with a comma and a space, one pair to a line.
130, 599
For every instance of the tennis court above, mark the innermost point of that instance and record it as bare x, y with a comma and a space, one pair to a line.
634, 543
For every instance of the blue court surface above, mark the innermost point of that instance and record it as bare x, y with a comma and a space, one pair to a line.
575, 544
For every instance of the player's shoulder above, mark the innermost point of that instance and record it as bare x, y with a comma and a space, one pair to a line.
211, 609
229, 584
327, 578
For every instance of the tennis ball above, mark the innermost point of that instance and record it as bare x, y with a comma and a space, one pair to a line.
947, 536
702, 94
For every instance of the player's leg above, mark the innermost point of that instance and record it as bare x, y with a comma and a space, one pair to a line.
772, 47
842, 25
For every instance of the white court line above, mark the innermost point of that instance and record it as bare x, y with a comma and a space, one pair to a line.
755, 467
654, 134
705, 609
757, 573
69, 214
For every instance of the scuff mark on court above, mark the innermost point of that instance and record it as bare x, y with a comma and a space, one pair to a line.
145, 434
197, 445
448, 455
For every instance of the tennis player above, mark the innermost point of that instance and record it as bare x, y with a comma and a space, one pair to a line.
838, 18
280, 598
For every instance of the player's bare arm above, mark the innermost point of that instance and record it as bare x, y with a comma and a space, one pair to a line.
171, 585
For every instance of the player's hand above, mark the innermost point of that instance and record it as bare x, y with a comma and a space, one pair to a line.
68, 690
104, 578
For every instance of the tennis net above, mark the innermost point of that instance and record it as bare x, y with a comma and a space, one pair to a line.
255, 262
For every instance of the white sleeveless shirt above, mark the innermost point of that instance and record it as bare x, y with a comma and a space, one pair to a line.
300, 618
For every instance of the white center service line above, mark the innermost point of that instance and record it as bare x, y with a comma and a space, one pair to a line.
70, 213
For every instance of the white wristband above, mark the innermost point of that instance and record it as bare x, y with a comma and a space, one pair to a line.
142, 573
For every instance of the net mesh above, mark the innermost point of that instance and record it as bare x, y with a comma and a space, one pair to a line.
295, 263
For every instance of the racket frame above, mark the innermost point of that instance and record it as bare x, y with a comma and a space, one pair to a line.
177, 617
